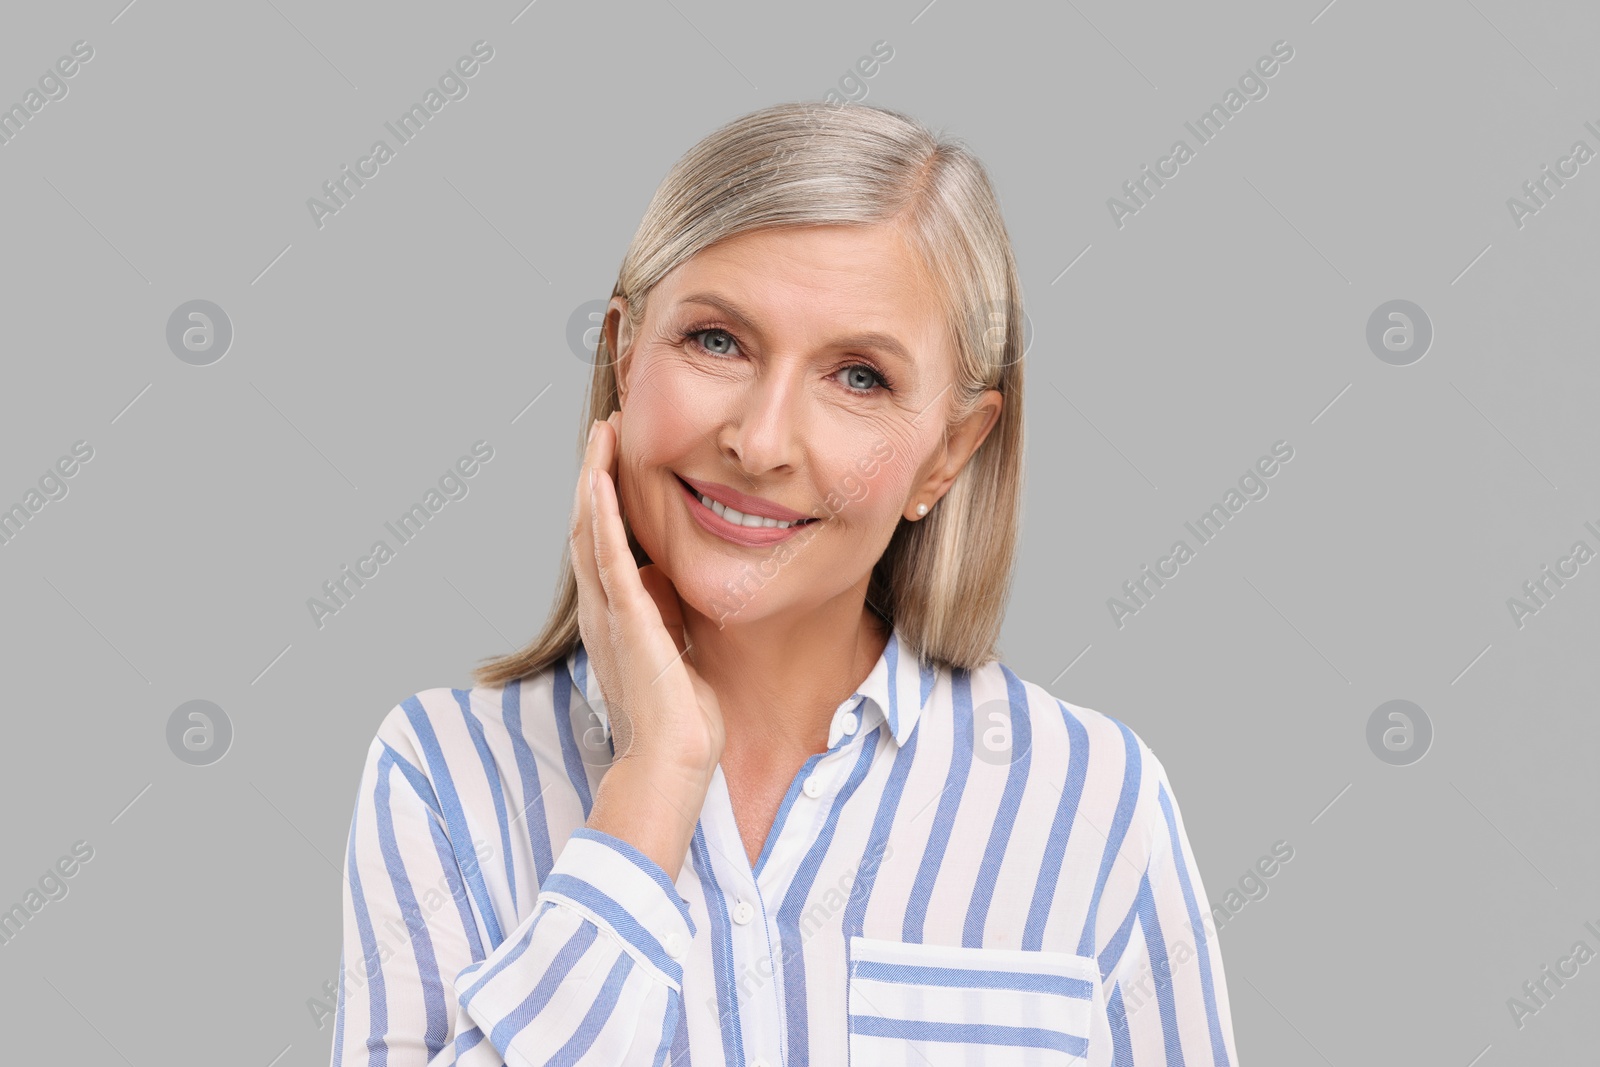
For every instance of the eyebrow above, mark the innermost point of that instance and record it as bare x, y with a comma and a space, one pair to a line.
882, 342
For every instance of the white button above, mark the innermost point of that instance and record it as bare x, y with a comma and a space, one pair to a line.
758, 1062
812, 787
743, 912
674, 946
849, 723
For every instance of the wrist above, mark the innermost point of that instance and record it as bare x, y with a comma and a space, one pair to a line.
642, 775
667, 763
652, 806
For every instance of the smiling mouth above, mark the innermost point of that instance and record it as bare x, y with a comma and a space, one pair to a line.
737, 518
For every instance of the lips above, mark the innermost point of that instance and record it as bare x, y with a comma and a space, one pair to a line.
743, 503
735, 533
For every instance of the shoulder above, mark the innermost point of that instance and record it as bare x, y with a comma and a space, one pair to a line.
1059, 725
434, 729
1116, 779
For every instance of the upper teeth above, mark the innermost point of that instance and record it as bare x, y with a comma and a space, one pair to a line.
739, 518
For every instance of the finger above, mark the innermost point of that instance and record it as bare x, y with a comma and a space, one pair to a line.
619, 574
580, 534
614, 464
580, 490
612, 555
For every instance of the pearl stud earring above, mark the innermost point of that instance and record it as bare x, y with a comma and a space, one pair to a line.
922, 509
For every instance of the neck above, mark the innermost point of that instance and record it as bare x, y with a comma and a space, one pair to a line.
780, 679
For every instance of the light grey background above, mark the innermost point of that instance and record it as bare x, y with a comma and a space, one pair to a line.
1229, 313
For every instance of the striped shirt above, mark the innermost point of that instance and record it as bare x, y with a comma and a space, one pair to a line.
973, 872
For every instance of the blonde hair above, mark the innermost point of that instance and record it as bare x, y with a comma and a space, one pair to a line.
943, 580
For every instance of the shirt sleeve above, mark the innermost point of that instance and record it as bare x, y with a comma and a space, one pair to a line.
1166, 998
591, 975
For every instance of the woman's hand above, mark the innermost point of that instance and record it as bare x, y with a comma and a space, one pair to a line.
661, 713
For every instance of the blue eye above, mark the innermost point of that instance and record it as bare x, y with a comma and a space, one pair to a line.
873, 378
719, 342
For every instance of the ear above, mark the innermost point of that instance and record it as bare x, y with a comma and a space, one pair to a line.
619, 340
963, 440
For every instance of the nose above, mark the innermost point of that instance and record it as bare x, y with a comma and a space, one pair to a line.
764, 431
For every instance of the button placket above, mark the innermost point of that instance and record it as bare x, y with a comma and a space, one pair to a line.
762, 1012
755, 995
780, 1011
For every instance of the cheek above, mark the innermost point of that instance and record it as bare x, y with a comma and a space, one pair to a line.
664, 415
871, 480
663, 376
897, 455
645, 487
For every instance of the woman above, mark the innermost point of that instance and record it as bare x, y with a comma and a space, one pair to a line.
762, 793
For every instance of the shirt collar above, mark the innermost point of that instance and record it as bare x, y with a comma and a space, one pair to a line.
895, 692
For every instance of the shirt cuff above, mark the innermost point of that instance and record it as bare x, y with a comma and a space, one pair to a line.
626, 893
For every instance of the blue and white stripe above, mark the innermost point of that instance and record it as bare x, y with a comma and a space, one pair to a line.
974, 871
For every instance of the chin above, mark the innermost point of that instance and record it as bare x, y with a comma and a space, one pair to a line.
729, 591
724, 591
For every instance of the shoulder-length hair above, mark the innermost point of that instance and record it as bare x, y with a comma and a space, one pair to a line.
943, 581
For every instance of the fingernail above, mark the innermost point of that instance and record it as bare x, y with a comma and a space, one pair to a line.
594, 472
592, 426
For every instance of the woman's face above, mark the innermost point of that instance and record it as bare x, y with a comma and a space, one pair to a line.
808, 368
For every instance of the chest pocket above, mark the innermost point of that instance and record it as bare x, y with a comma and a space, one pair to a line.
937, 1006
